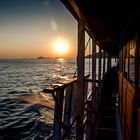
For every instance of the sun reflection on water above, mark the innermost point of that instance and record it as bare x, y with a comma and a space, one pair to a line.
61, 59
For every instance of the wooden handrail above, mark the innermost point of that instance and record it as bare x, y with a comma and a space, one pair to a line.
54, 87
64, 97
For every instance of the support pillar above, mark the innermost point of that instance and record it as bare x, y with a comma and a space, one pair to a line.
104, 58
100, 60
108, 62
80, 80
93, 62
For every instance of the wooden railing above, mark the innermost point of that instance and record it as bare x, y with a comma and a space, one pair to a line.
65, 117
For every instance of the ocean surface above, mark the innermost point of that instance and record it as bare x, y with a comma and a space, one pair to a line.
26, 113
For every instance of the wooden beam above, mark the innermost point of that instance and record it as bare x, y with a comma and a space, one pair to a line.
93, 61
80, 80
137, 60
108, 62
104, 63
77, 14
99, 66
73, 9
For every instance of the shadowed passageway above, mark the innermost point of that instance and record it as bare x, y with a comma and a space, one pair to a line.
108, 121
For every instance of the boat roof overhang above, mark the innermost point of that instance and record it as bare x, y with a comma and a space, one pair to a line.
110, 22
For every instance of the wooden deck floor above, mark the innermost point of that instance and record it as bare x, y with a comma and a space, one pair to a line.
109, 124
108, 127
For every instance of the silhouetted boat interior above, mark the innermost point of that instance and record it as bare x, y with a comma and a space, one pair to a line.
106, 104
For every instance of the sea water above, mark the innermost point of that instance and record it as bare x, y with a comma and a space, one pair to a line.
26, 113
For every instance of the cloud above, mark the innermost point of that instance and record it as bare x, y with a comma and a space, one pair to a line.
53, 25
46, 2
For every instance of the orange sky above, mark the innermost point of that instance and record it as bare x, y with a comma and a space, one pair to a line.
30, 32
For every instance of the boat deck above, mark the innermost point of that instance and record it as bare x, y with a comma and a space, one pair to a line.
109, 124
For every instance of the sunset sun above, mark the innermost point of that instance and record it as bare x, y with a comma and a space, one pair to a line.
61, 47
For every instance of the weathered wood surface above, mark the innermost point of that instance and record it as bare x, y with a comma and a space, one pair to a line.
126, 93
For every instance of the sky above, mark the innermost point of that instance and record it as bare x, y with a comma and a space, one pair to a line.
33, 28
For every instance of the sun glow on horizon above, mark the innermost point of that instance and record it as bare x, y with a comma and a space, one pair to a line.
61, 47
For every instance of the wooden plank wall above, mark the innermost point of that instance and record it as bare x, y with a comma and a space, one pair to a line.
126, 94
138, 124
136, 115
129, 93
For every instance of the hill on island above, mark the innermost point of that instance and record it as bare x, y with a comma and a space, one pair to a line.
41, 57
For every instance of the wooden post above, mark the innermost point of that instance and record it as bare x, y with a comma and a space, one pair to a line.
58, 114
137, 61
86, 90
100, 77
104, 58
74, 91
128, 56
80, 80
100, 59
93, 62
105, 62
89, 130
67, 109
93, 72
108, 62
92, 104
136, 102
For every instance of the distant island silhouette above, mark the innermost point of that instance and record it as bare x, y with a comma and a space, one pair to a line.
41, 57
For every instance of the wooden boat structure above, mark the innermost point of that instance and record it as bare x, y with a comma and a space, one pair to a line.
107, 107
